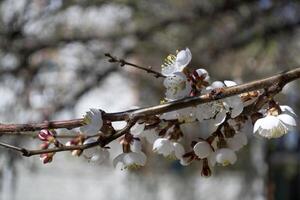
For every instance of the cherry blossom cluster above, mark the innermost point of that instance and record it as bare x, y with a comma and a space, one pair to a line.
224, 118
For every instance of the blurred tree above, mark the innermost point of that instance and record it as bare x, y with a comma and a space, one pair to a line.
52, 51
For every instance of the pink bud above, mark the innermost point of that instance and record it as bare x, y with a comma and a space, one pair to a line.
44, 135
46, 157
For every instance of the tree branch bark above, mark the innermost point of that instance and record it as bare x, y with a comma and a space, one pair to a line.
276, 81
102, 141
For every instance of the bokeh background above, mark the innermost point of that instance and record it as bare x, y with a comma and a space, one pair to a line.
52, 66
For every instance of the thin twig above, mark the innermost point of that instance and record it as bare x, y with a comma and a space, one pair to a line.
15, 148
278, 80
103, 141
123, 62
35, 135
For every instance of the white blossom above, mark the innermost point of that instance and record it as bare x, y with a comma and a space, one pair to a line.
218, 110
96, 154
93, 121
177, 86
202, 149
130, 160
176, 63
168, 148
272, 126
225, 156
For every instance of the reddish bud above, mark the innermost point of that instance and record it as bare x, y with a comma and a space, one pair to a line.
46, 157
46, 135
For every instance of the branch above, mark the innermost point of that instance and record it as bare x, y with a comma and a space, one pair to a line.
8, 146
276, 81
102, 141
123, 62
35, 134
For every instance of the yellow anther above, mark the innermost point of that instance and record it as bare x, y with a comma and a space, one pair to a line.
225, 163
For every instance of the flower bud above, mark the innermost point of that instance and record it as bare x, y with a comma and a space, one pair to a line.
46, 135
46, 157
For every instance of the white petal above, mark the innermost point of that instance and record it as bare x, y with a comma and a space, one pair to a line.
233, 101
257, 125
275, 132
187, 114
210, 124
136, 146
237, 109
90, 151
178, 150
168, 70
217, 84
185, 161
230, 83
183, 58
177, 86
94, 121
287, 119
137, 129
202, 149
205, 111
134, 158
118, 159
150, 135
269, 122
220, 117
225, 156
163, 146
287, 109
100, 155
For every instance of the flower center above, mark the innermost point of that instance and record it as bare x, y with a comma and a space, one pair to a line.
225, 163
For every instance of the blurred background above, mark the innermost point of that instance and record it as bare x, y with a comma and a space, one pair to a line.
52, 66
